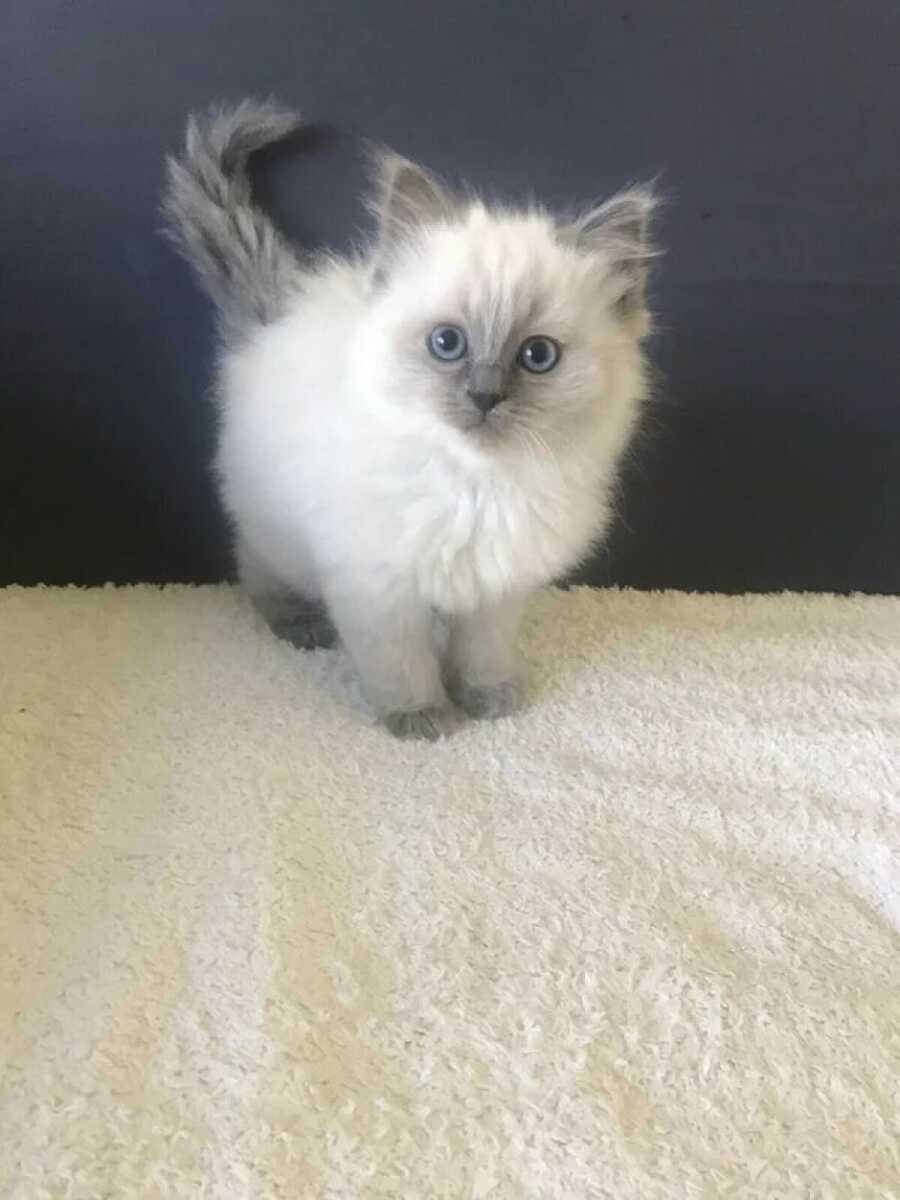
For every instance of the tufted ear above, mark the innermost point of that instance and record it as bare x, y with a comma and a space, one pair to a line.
405, 198
620, 230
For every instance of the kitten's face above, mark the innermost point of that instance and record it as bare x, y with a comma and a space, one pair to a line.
507, 332
504, 331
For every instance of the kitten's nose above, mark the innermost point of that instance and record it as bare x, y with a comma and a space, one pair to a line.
486, 387
485, 401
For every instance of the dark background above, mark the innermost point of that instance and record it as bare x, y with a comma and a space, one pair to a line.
772, 457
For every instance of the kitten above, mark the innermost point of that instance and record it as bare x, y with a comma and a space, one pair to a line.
415, 439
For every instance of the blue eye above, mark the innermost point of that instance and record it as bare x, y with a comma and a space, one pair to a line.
447, 342
539, 354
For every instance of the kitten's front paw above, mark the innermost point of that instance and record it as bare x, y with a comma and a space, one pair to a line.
488, 701
428, 724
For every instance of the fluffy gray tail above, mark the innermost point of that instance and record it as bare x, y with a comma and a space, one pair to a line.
241, 261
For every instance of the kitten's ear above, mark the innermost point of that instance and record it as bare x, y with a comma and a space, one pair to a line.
620, 230
405, 198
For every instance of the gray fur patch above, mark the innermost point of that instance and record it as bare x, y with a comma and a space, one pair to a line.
425, 724
620, 228
241, 261
488, 701
405, 199
307, 628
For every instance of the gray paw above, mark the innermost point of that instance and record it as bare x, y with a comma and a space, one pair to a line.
490, 700
307, 629
428, 724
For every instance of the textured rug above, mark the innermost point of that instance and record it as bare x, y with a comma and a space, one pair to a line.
639, 942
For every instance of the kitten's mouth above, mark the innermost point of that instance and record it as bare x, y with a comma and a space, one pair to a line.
476, 422
481, 425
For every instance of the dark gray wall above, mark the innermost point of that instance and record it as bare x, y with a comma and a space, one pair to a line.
773, 455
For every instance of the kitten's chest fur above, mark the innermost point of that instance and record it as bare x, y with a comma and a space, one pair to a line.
473, 538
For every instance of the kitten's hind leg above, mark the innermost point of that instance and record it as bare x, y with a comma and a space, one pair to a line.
305, 624
295, 618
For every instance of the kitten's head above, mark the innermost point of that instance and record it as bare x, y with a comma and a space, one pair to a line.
507, 327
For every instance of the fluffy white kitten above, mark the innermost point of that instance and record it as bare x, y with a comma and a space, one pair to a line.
413, 440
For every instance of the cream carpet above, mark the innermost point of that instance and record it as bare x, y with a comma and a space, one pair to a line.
640, 942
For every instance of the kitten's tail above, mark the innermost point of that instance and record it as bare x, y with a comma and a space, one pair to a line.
241, 260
